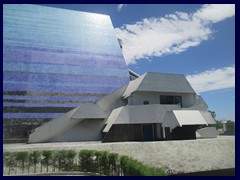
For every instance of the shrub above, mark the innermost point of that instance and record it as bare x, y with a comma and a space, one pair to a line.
60, 160
103, 158
123, 162
47, 158
22, 157
97, 166
34, 159
69, 164
86, 160
112, 166
101, 162
9, 160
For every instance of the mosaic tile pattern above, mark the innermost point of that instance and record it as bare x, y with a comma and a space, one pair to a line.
65, 57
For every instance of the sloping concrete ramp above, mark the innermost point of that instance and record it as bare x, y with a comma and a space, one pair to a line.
65, 122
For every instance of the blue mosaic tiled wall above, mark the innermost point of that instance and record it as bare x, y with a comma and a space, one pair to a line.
54, 60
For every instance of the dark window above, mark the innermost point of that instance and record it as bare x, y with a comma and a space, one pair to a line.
171, 100
145, 102
148, 132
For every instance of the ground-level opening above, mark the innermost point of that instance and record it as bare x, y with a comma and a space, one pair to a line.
148, 132
134, 132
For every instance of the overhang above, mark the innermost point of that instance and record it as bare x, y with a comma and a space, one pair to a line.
179, 118
208, 117
159, 82
140, 114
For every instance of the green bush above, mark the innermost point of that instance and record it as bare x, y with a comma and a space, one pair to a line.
69, 164
97, 167
34, 159
131, 167
104, 162
101, 162
86, 161
9, 161
55, 161
60, 160
22, 158
123, 162
47, 158
112, 166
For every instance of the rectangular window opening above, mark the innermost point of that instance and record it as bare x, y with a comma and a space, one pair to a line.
171, 100
145, 102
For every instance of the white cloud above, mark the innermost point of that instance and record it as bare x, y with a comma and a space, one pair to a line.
215, 12
171, 34
214, 79
120, 6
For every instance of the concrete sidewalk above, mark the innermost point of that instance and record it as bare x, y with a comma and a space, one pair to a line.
175, 157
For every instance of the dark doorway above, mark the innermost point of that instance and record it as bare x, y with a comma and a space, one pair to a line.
148, 132
185, 132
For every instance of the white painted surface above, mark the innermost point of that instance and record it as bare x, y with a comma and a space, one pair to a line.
113, 100
159, 82
147, 87
65, 122
208, 117
207, 132
133, 86
89, 110
142, 114
137, 98
189, 117
178, 118
112, 118
53, 128
86, 130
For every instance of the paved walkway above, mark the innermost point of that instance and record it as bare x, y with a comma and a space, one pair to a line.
174, 156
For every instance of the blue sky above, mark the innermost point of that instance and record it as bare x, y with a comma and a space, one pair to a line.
195, 40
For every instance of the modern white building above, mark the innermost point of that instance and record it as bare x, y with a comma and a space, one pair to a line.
154, 106
65, 79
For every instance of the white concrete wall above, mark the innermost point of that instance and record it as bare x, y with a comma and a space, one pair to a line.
170, 121
54, 127
187, 100
207, 132
113, 100
86, 130
200, 101
137, 98
64, 123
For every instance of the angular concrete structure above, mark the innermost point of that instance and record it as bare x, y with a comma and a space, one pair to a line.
152, 107
65, 79
61, 124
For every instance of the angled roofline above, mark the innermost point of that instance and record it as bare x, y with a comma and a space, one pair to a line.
140, 82
133, 73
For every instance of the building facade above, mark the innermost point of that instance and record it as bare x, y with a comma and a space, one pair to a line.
54, 60
65, 79
152, 107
